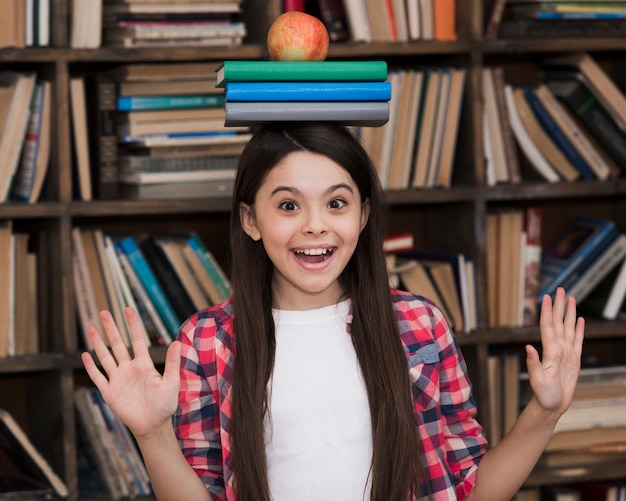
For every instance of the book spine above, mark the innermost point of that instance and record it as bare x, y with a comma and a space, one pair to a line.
143, 299
532, 263
129, 103
598, 269
150, 283
105, 151
308, 91
495, 18
549, 286
559, 137
143, 163
25, 173
167, 278
598, 120
507, 133
333, 15
264, 71
293, 5
212, 267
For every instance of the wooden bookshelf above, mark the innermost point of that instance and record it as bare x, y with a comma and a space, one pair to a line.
39, 388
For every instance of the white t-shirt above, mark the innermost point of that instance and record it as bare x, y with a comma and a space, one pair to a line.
318, 434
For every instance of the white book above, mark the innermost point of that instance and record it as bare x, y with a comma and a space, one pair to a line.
414, 21
525, 142
427, 19
358, 22
618, 293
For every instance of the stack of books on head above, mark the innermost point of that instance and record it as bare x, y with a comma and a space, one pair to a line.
348, 92
168, 132
136, 23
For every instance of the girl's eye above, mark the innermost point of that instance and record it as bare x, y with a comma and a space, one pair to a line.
288, 205
337, 203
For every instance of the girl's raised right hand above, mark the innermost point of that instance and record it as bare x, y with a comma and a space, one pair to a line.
130, 384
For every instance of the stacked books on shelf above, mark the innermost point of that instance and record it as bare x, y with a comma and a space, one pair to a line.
159, 133
19, 330
593, 430
25, 24
164, 278
560, 18
376, 21
347, 92
514, 245
416, 148
24, 135
445, 278
571, 126
109, 461
135, 23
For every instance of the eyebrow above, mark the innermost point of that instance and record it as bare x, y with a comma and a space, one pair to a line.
296, 191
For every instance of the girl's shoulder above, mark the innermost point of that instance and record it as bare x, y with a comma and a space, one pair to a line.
216, 320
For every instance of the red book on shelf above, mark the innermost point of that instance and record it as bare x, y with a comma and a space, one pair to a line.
291, 5
398, 242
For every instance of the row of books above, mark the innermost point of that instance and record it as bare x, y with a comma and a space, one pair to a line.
108, 460
129, 23
445, 278
514, 248
154, 131
593, 430
164, 278
587, 259
417, 146
19, 329
383, 21
560, 18
25, 23
25, 122
571, 126
349, 92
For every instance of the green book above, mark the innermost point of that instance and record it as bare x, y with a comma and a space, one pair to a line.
304, 71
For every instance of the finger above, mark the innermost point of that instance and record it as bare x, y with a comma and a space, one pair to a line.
558, 310
570, 317
137, 335
93, 372
533, 363
579, 336
171, 372
118, 347
102, 352
545, 316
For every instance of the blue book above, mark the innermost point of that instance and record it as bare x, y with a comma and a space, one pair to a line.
150, 283
308, 91
581, 15
582, 242
171, 102
210, 264
559, 137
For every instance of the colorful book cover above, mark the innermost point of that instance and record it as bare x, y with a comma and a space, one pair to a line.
152, 286
128, 103
372, 114
308, 91
279, 71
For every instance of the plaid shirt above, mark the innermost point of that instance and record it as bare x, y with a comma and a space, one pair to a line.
452, 440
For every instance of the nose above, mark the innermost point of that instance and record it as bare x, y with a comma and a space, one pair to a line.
315, 223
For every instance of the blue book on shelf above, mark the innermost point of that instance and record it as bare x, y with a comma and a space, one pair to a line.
150, 283
210, 264
581, 15
555, 132
172, 102
582, 242
308, 91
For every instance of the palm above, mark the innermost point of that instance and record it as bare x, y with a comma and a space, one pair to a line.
138, 394
553, 378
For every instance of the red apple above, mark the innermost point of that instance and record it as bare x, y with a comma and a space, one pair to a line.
297, 36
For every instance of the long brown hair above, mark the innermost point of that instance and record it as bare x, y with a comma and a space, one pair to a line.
396, 463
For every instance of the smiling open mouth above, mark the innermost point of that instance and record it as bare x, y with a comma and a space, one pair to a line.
313, 255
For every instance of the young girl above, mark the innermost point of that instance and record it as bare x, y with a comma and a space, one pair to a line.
314, 380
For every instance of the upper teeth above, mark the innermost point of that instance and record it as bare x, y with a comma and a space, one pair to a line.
313, 252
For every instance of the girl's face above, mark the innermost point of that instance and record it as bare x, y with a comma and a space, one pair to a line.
308, 213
